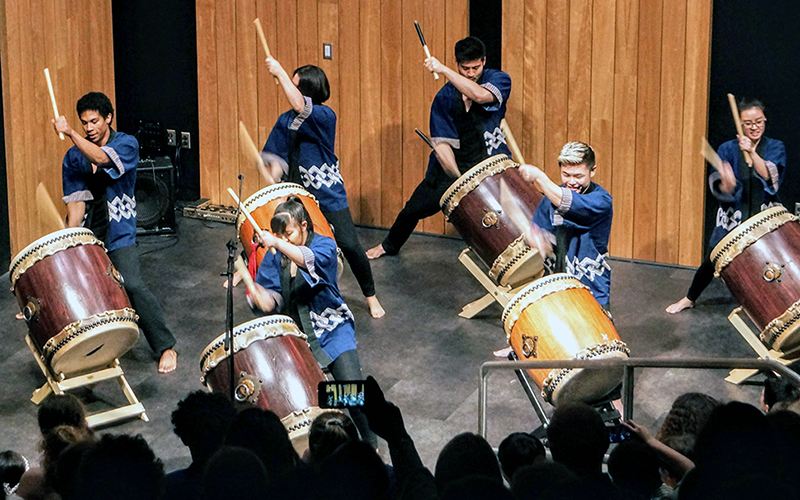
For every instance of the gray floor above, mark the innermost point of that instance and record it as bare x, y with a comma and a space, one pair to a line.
424, 355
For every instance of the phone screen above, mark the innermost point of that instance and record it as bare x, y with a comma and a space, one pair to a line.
341, 394
619, 433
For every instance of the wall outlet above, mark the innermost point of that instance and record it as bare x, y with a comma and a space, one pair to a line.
186, 140
327, 51
172, 138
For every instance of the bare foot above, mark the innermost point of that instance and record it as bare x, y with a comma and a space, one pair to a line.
375, 252
375, 307
168, 362
502, 353
19, 316
236, 279
679, 306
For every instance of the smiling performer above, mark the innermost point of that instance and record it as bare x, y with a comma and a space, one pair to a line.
740, 190
99, 176
465, 129
578, 213
300, 149
300, 281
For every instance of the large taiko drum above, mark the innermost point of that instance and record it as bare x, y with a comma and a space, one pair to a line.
262, 205
557, 317
472, 205
275, 371
758, 261
73, 299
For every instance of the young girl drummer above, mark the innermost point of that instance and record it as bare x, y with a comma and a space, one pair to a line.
299, 280
300, 149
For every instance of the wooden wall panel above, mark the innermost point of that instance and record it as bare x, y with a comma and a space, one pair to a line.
630, 77
35, 34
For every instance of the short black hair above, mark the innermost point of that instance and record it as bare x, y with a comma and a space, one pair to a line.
470, 49
779, 390
578, 438
466, 455
95, 101
746, 104
328, 432
519, 449
286, 212
201, 421
61, 409
313, 83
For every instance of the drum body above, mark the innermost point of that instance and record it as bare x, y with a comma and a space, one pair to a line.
556, 317
472, 205
758, 261
275, 371
73, 299
262, 205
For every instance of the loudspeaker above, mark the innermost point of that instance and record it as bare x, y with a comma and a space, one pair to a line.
155, 196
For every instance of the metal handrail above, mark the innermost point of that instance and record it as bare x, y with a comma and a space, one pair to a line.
629, 364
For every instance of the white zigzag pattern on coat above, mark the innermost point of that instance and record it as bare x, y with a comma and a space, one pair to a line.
122, 208
330, 318
494, 139
321, 176
587, 267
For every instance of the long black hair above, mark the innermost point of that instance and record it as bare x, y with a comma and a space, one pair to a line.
286, 212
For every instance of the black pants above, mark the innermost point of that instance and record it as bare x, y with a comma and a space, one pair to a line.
151, 317
702, 278
348, 367
344, 230
424, 202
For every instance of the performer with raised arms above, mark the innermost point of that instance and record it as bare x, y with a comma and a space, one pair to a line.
300, 149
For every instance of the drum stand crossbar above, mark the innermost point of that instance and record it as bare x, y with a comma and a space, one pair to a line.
737, 319
58, 384
496, 293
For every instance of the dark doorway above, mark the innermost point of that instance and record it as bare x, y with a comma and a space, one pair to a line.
5, 238
486, 23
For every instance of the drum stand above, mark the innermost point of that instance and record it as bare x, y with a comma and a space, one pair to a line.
496, 293
737, 319
58, 384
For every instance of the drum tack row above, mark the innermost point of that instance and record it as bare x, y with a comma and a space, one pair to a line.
80, 320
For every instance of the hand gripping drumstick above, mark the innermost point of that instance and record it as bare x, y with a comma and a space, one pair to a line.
248, 217
48, 213
512, 144
249, 149
424, 46
52, 98
263, 39
738, 121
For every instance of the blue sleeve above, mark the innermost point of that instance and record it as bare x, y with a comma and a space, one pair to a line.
318, 123
277, 146
729, 153
775, 159
583, 211
542, 215
73, 183
320, 261
123, 152
269, 272
499, 84
442, 127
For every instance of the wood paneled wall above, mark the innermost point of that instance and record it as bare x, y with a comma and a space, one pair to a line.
74, 40
379, 89
630, 77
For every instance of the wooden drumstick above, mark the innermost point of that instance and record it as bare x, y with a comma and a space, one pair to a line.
738, 121
424, 46
52, 98
250, 150
710, 155
48, 213
512, 143
249, 217
263, 39
522, 220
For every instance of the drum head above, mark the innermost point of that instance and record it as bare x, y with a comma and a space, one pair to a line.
49, 245
92, 343
585, 385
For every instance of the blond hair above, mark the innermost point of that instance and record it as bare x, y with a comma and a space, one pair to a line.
575, 153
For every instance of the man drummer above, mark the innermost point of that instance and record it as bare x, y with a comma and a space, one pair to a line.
578, 213
99, 176
465, 128
741, 191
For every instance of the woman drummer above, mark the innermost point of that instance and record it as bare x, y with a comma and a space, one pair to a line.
299, 280
300, 149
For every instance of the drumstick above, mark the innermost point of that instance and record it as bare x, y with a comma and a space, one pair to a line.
522, 221
250, 150
48, 213
424, 46
263, 39
52, 98
738, 121
710, 155
249, 217
425, 138
242, 271
512, 144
